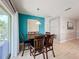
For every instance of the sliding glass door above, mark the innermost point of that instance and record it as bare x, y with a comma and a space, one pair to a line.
5, 31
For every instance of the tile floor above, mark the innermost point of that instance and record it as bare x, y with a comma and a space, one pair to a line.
66, 50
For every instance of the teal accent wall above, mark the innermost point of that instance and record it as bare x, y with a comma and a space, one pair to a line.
23, 18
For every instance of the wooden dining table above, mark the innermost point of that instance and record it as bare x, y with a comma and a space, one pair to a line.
32, 37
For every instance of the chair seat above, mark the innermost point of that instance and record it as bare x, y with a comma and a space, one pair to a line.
32, 42
27, 41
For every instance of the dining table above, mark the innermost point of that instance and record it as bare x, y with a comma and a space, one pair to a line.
32, 38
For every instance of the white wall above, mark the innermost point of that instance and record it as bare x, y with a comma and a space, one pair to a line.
77, 30
58, 26
55, 27
66, 34
47, 19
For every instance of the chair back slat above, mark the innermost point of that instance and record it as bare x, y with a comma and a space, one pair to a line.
39, 42
49, 44
49, 39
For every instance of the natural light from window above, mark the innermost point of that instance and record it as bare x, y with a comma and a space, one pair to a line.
3, 27
4, 24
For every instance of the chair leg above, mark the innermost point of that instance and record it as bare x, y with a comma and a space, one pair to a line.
30, 51
34, 54
23, 50
53, 52
46, 54
43, 55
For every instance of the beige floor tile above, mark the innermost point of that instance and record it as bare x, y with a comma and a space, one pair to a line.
67, 50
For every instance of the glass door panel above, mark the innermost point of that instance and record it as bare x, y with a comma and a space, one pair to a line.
5, 30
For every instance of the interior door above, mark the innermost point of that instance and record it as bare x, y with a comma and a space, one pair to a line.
54, 27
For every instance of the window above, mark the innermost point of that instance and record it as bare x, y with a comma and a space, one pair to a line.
4, 25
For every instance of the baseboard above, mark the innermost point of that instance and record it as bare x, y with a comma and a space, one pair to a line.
62, 41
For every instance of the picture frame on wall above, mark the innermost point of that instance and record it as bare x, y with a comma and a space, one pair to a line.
70, 25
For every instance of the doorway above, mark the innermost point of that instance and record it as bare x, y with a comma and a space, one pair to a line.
54, 25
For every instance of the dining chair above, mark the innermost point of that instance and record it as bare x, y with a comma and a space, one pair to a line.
38, 47
49, 44
25, 43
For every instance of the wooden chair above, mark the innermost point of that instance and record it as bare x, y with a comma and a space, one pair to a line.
49, 44
38, 47
25, 42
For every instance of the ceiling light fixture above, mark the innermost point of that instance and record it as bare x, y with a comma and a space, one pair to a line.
68, 9
38, 9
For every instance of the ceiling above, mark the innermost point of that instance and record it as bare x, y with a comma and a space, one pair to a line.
48, 7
